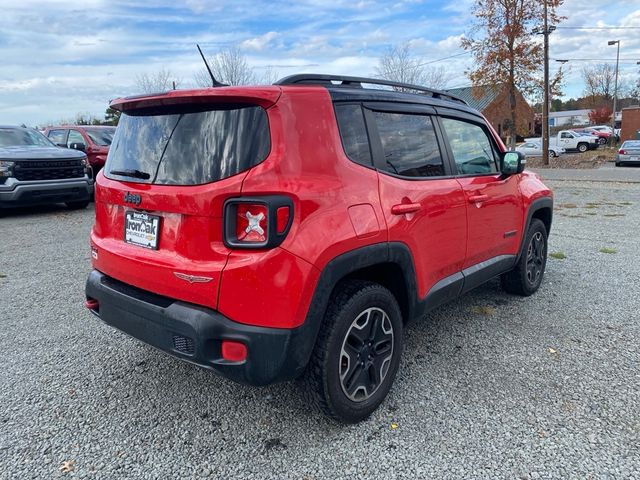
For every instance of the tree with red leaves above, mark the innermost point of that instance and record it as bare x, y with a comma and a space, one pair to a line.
600, 116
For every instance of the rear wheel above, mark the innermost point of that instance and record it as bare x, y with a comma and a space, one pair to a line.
526, 277
582, 147
357, 352
77, 205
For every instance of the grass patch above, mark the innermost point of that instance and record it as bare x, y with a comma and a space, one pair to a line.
592, 205
483, 310
568, 205
626, 204
558, 255
608, 250
2, 275
590, 213
614, 215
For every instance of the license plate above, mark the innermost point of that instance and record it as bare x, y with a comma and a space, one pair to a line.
633, 159
142, 229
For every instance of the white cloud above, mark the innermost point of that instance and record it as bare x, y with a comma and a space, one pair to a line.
261, 42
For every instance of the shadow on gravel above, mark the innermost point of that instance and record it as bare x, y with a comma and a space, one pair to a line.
31, 211
146, 380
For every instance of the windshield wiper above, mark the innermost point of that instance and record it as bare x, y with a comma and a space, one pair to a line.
131, 173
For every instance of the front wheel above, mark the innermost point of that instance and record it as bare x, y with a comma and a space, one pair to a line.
526, 276
357, 353
552, 153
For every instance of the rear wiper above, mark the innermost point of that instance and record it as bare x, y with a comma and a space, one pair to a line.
131, 173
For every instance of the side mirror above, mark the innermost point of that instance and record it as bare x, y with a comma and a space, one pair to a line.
78, 146
512, 163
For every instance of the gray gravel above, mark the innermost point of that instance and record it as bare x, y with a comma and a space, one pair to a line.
491, 386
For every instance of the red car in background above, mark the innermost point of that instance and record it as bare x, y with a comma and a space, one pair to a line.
94, 140
603, 137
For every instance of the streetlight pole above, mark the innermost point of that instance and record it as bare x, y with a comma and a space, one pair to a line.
615, 93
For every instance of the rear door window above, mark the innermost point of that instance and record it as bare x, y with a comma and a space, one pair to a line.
409, 144
190, 146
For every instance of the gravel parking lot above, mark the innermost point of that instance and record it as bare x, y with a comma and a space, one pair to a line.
492, 386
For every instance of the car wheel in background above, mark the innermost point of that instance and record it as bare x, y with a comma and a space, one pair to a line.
77, 205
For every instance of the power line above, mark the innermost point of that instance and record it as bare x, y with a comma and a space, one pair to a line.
598, 28
628, 60
441, 59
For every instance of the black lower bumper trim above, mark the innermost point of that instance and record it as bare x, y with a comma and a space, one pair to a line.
195, 333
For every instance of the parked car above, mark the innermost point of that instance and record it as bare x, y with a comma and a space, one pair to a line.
629, 153
34, 171
291, 231
570, 140
94, 140
603, 137
534, 149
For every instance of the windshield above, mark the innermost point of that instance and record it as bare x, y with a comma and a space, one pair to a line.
13, 137
190, 146
101, 136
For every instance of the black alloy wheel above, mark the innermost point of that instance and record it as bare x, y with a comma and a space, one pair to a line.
535, 258
366, 354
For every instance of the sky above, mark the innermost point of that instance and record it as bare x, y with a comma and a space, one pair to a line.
60, 58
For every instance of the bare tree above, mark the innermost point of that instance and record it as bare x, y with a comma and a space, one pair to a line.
598, 81
228, 66
268, 77
159, 81
399, 65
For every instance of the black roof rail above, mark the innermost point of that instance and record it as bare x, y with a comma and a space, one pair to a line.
356, 82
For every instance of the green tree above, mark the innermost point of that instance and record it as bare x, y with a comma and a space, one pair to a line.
111, 116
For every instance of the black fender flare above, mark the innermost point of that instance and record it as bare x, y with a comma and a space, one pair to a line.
335, 270
537, 205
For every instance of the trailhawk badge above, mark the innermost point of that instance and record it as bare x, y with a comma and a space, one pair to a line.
192, 278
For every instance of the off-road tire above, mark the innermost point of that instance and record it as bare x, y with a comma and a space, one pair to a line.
77, 205
321, 383
519, 281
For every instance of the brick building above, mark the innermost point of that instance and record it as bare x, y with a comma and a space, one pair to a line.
630, 123
493, 102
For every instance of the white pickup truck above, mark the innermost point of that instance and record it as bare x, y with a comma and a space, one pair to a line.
570, 140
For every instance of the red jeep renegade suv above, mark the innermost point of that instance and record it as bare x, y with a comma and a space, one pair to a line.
291, 231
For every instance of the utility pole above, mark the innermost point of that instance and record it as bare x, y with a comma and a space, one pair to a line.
615, 93
546, 30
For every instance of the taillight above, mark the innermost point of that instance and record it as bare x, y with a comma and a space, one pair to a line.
621, 152
257, 222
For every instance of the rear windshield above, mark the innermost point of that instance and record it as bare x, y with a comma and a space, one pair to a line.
102, 136
188, 147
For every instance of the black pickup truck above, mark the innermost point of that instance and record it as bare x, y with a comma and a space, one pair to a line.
34, 171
